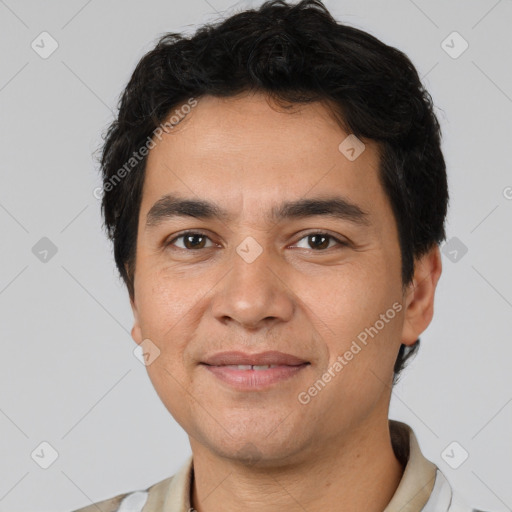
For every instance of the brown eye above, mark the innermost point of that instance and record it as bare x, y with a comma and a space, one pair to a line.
190, 241
320, 241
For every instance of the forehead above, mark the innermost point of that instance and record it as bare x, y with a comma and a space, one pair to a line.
250, 155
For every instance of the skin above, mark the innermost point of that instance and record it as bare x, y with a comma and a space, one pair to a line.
265, 450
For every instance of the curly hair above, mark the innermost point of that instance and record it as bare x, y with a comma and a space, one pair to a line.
294, 53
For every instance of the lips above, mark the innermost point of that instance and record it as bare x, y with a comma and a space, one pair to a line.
254, 372
262, 359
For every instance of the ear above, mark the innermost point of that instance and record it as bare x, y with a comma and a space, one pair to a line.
136, 331
419, 298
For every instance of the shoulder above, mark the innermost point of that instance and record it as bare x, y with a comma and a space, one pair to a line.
133, 501
444, 498
109, 505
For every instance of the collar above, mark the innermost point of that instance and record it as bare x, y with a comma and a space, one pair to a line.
419, 476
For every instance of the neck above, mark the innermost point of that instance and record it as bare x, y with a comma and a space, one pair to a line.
359, 473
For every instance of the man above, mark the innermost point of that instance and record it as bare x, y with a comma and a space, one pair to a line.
276, 194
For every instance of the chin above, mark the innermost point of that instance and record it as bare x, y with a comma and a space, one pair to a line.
257, 448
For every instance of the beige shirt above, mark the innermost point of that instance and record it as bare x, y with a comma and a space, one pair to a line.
422, 488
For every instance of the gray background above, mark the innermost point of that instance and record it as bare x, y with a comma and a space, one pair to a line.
68, 375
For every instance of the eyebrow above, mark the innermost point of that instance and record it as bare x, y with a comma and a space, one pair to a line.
168, 207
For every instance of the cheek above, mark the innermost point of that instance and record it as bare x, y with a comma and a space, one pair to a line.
164, 315
164, 319
346, 300
355, 311
169, 384
164, 303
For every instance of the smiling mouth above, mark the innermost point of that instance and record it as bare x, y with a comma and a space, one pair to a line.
247, 377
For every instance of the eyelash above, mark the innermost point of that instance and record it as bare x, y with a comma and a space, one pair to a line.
341, 243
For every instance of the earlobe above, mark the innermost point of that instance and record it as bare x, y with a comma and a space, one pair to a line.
136, 331
419, 298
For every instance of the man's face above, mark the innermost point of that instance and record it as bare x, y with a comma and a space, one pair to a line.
252, 283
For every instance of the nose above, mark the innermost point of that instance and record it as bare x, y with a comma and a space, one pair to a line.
254, 294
